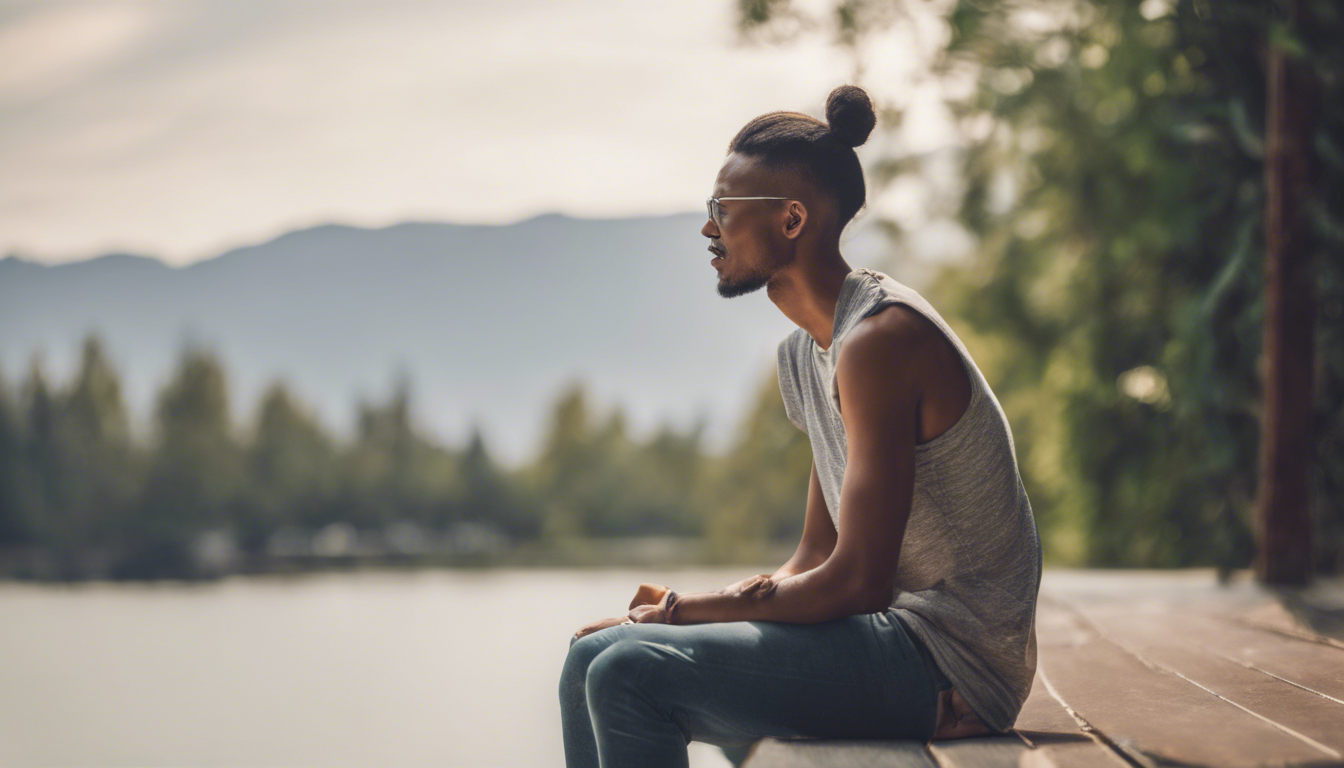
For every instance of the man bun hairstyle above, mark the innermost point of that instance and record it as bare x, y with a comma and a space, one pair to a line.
850, 113
823, 152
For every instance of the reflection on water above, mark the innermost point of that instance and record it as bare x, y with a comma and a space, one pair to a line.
439, 668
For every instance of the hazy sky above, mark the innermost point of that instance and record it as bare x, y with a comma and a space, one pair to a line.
179, 129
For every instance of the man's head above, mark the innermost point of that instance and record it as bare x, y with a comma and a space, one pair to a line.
797, 157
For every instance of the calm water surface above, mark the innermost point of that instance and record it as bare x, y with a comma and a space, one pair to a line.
443, 668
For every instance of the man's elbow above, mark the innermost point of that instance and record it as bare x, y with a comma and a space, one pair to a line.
866, 597
845, 592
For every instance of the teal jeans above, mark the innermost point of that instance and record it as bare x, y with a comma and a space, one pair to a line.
637, 694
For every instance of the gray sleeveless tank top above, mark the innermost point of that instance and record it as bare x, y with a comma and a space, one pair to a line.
969, 567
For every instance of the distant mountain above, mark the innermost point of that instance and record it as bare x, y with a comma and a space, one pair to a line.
488, 322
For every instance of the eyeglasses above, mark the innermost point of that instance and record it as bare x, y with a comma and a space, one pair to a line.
713, 205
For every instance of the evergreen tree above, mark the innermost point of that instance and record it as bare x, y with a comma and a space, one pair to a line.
393, 474
668, 472
43, 462
15, 484
292, 466
195, 473
488, 494
556, 479
102, 465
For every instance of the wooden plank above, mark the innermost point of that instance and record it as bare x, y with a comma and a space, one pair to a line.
1202, 700
998, 751
1273, 616
1151, 713
1043, 714
1055, 737
1311, 665
1169, 642
812, 753
1050, 738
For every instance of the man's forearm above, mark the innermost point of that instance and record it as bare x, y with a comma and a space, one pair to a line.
794, 567
806, 598
789, 569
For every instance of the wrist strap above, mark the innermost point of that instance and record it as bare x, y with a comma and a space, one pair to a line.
670, 600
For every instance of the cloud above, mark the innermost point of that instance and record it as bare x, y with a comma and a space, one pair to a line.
213, 124
50, 50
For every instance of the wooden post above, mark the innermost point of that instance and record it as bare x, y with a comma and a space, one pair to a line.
1283, 501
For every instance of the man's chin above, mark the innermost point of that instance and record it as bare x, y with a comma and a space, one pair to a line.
730, 289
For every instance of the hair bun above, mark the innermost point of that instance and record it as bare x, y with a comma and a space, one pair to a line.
850, 115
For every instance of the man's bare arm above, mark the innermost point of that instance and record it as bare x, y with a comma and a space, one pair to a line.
879, 396
819, 536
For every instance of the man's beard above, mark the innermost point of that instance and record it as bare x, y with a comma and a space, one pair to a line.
752, 281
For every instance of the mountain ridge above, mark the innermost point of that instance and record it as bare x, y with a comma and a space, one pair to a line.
489, 322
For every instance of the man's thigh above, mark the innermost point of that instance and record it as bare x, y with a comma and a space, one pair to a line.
733, 682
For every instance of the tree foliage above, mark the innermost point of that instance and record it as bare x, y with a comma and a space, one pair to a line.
1111, 167
81, 498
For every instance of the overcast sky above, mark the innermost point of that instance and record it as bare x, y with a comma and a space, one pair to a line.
180, 129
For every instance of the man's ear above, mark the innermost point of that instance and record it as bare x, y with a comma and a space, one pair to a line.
795, 216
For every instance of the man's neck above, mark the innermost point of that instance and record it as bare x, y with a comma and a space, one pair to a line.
807, 291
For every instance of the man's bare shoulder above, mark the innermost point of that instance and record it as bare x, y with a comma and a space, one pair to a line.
894, 333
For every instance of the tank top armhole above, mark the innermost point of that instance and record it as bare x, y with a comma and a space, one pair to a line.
951, 433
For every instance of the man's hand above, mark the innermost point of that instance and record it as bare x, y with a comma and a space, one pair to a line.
588, 629
743, 601
648, 594
648, 614
758, 586
648, 607
647, 600
652, 614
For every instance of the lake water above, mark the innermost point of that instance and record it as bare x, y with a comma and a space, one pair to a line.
385, 668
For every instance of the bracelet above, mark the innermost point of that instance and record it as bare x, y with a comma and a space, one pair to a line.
669, 600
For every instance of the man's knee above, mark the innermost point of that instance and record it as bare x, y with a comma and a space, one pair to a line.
638, 678
624, 663
582, 651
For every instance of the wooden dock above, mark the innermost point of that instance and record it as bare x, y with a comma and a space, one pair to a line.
1151, 669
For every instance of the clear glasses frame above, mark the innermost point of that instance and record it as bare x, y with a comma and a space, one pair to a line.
713, 205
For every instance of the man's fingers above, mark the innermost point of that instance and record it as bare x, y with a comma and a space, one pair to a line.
648, 594
760, 587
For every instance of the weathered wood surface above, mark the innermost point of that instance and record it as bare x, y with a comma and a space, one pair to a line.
801, 753
1152, 669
